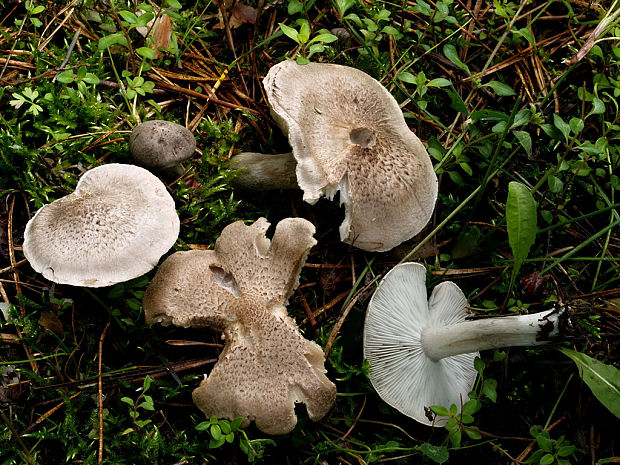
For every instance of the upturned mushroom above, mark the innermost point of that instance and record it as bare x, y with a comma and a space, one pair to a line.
161, 145
115, 226
348, 135
241, 288
422, 353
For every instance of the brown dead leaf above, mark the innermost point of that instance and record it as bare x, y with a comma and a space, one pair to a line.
50, 321
162, 34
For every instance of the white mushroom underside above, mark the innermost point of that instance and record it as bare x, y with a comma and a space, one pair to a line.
401, 373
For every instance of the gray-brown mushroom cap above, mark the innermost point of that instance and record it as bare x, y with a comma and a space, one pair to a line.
348, 134
241, 288
114, 227
160, 144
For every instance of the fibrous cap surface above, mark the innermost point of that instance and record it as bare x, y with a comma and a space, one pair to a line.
348, 134
114, 227
241, 288
158, 144
400, 372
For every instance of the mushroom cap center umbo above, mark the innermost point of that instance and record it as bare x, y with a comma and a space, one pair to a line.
363, 137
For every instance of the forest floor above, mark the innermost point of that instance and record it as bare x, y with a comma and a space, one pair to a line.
499, 92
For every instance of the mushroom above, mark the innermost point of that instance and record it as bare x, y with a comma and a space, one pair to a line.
348, 134
259, 172
114, 227
162, 145
422, 353
241, 288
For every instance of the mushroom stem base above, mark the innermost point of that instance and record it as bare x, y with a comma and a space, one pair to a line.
490, 333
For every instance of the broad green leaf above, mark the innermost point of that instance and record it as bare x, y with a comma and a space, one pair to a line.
525, 140
290, 32
520, 222
576, 125
501, 89
326, 38
65, 77
406, 77
294, 7
344, 5
555, 184
146, 52
489, 388
440, 410
304, 32
128, 16
451, 54
598, 107
547, 459
559, 123
174, 4
118, 38
437, 454
438, 82
603, 379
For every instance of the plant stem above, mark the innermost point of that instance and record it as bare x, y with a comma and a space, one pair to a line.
490, 333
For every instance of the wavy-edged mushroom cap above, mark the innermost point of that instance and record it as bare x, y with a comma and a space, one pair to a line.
401, 373
160, 144
348, 134
114, 227
241, 288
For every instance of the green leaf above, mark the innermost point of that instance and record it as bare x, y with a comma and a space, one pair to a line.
520, 222
147, 404
91, 78
37, 9
555, 184
565, 451
128, 16
127, 400
290, 32
216, 432
440, 410
118, 38
146, 384
559, 123
437, 454
304, 32
471, 406
472, 433
326, 38
203, 425
603, 379
65, 77
174, 4
451, 54
544, 443
547, 459
525, 140
576, 125
344, 5
489, 389
438, 82
406, 77
146, 52
598, 107
294, 7
501, 89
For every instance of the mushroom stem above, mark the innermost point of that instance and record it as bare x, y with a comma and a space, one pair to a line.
261, 172
490, 333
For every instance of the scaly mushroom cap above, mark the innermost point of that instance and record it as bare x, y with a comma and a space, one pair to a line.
114, 227
159, 144
400, 372
348, 134
241, 288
